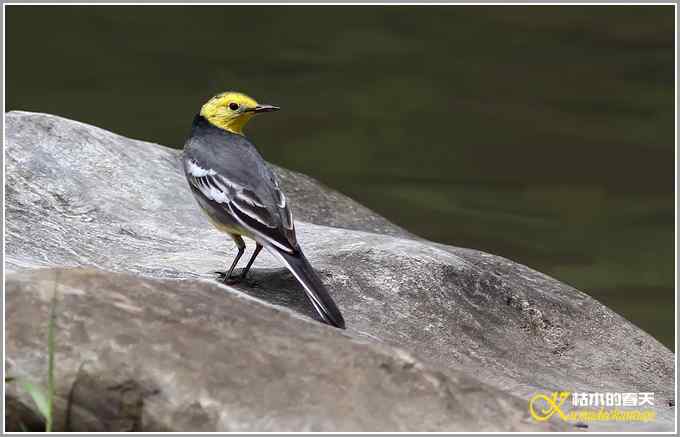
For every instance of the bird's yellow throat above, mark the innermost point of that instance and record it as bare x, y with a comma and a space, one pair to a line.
229, 111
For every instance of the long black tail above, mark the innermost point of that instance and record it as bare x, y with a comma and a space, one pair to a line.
316, 291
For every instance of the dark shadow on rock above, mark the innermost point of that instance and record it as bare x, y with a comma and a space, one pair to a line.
278, 287
19, 417
109, 401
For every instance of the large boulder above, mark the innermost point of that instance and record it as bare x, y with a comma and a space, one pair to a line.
79, 196
139, 354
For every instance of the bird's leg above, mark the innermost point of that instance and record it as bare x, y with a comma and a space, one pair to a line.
258, 248
225, 276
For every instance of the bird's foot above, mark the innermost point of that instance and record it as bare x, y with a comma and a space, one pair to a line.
228, 280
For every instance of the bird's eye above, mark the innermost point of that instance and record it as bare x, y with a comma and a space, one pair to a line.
233, 106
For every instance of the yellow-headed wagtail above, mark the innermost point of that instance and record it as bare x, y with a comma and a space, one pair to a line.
240, 194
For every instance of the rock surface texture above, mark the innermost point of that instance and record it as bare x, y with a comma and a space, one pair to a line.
439, 338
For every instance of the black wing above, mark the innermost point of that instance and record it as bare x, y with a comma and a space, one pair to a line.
267, 217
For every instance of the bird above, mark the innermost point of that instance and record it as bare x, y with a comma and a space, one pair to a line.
241, 195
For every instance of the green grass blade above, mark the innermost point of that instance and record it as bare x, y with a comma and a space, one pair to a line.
38, 395
44, 399
50, 354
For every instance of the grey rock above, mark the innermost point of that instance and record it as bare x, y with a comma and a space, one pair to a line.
141, 354
79, 196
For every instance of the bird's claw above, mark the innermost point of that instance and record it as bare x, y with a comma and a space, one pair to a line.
231, 280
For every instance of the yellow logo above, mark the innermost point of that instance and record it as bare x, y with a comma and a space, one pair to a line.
609, 407
551, 405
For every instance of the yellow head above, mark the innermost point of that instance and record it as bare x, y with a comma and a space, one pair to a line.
231, 111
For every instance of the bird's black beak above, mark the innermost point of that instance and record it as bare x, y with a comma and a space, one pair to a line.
265, 108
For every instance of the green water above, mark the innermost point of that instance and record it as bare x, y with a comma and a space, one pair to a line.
543, 134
